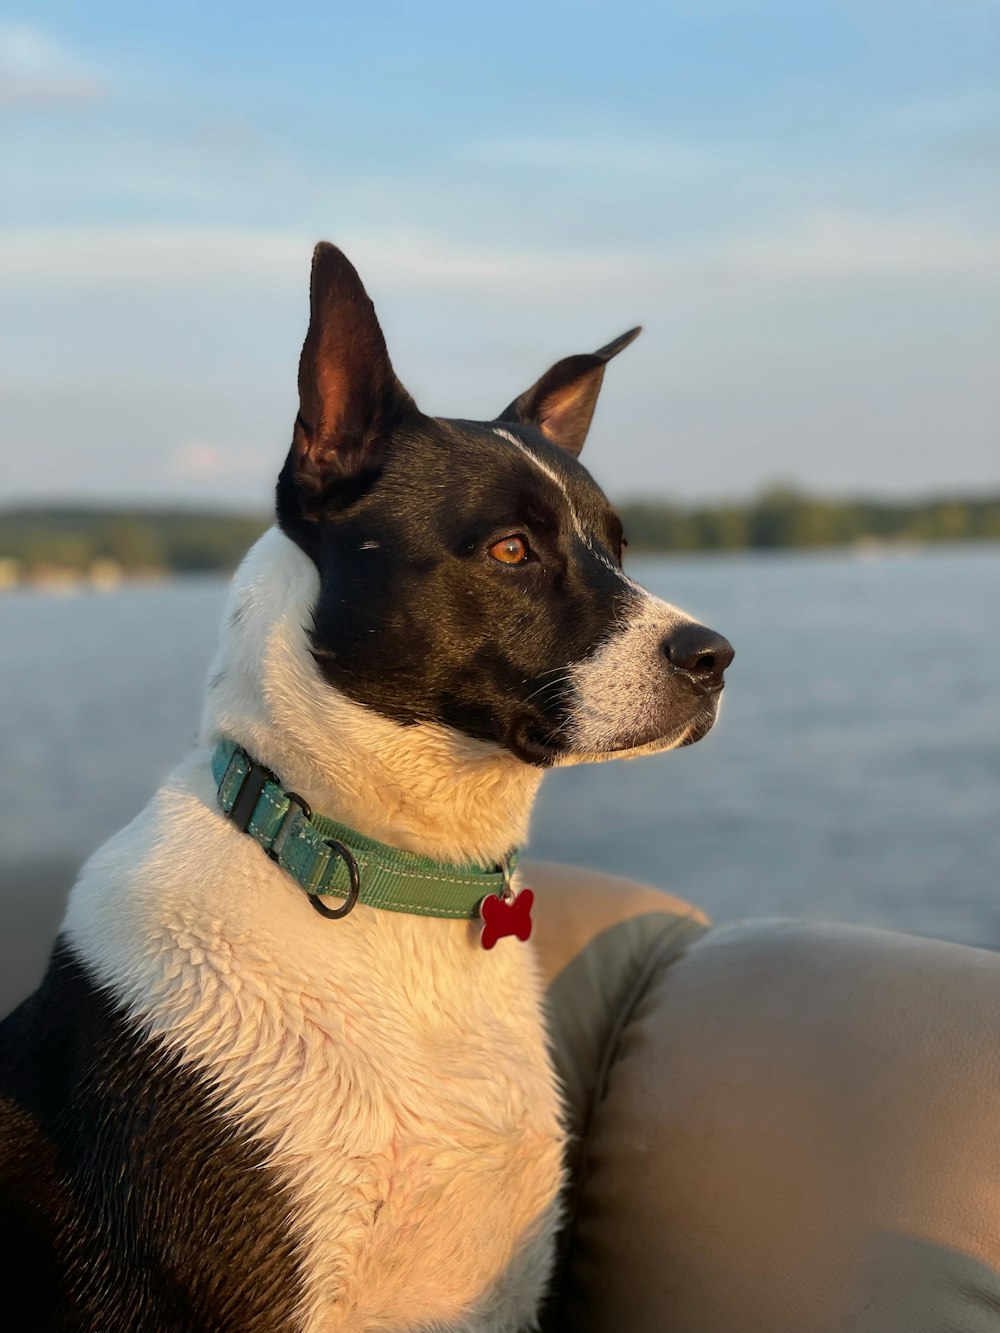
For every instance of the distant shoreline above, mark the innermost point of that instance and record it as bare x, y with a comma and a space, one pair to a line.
57, 582
64, 548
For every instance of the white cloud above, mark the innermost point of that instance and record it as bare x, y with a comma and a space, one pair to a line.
150, 257
34, 69
161, 259
848, 350
837, 244
597, 157
200, 458
957, 114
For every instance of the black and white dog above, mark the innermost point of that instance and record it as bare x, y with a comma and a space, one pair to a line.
222, 1112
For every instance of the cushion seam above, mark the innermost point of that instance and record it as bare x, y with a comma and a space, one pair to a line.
688, 928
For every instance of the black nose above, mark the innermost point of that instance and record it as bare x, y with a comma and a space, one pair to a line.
700, 652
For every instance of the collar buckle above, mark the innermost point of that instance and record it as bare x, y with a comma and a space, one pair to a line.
249, 792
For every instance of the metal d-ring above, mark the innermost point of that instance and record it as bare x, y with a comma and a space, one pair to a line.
353, 874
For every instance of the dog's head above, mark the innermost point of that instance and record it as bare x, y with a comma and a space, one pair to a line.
470, 572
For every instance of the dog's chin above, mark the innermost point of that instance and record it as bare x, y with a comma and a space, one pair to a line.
531, 739
688, 733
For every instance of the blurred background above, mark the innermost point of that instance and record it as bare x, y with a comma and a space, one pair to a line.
800, 203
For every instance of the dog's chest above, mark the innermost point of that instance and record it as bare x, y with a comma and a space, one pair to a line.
425, 1158
395, 1073
435, 1196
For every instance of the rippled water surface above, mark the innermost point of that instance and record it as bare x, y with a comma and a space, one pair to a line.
854, 773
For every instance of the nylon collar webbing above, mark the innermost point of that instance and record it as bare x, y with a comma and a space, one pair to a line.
311, 848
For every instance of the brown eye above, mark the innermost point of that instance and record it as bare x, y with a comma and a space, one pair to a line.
510, 550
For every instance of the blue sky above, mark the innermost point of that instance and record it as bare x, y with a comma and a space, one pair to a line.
799, 201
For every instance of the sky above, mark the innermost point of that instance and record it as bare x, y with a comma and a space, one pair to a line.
799, 201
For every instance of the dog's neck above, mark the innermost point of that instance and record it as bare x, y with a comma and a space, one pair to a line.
424, 788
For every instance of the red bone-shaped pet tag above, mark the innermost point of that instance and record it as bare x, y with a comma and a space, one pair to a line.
501, 917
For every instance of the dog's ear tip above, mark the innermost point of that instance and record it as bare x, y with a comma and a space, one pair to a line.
329, 260
333, 276
329, 256
618, 344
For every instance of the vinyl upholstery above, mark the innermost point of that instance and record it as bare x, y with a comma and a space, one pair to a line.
778, 1126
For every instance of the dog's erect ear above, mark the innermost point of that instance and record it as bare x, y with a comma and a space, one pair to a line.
562, 403
349, 397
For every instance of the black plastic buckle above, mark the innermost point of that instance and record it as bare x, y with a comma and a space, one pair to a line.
245, 800
353, 874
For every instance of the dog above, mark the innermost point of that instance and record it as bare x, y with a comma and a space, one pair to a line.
222, 1111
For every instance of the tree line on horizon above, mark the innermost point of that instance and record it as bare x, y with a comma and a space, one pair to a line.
148, 540
783, 517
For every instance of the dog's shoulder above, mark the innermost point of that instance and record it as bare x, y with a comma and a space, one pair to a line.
128, 1199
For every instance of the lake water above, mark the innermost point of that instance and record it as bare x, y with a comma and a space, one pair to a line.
854, 773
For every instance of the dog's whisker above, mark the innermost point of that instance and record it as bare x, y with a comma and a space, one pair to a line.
549, 685
557, 730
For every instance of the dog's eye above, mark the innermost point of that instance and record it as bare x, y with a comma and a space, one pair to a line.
511, 550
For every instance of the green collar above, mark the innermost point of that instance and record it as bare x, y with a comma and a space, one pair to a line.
329, 860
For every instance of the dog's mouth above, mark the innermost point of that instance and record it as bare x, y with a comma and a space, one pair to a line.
634, 747
537, 740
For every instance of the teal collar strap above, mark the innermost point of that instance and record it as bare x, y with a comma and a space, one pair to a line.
329, 860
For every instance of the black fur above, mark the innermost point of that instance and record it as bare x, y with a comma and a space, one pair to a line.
128, 1203
399, 511
414, 617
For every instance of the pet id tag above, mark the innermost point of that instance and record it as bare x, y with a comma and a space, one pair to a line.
505, 916
507, 913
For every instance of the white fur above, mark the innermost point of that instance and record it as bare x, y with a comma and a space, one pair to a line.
618, 691
396, 1072
578, 527
544, 468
